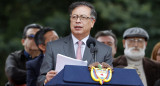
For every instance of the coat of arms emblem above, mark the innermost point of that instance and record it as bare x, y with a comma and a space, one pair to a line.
100, 74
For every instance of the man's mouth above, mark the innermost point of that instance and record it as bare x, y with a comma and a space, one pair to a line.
78, 27
136, 49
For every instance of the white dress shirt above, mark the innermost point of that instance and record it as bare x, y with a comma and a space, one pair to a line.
75, 43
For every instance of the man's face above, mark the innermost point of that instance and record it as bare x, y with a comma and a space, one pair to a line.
158, 55
49, 36
81, 26
134, 48
28, 42
108, 40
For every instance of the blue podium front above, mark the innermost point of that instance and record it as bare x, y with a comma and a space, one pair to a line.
80, 76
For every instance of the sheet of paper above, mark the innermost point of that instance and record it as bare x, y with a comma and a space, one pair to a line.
64, 60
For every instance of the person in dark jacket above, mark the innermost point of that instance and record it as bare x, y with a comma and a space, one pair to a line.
135, 41
42, 37
157, 83
15, 66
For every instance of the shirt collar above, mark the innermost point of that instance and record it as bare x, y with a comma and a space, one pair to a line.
28, 57
75, 40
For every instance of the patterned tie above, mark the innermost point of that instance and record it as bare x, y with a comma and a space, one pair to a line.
79, 55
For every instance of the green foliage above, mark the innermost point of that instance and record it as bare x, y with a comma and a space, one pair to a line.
59, 21
117, 15
124, 13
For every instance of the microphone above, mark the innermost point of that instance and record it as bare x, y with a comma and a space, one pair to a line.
91, 44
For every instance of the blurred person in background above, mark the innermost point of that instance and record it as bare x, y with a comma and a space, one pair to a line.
135, 41
15, 67
156, 52
109, 38
42, 37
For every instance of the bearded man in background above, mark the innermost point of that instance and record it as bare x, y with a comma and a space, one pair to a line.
135, 41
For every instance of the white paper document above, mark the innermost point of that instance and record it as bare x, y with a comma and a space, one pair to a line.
64, 60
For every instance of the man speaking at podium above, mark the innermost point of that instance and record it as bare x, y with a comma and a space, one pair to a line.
82, 19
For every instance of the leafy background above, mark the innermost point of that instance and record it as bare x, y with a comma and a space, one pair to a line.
115, 15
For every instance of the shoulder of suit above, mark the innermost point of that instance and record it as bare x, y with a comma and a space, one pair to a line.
35, 60
16, 54
149, 61
32, 62
120, 58
61, 40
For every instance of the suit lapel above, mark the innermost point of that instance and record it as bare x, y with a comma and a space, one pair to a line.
87, 54
68, 47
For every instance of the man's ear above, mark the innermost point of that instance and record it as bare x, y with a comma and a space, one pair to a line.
123, 41
22, 41
93, 22
42, 47
146, 43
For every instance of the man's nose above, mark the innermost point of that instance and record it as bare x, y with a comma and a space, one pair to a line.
78, 20
136, 43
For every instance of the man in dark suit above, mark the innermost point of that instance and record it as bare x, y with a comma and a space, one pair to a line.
33, 66
82, 19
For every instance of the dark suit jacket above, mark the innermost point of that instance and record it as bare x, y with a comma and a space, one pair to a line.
157, 83
65, 46
33, 69
15, 68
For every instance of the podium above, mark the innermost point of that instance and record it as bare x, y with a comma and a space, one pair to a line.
80, 76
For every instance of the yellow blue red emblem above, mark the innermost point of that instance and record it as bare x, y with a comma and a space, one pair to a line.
101, 74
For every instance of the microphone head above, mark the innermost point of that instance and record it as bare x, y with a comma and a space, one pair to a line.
91, 41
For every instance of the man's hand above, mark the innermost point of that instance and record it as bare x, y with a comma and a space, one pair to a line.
95, 64
105, 65
50, 75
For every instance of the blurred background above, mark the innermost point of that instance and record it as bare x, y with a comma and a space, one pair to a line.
115, 15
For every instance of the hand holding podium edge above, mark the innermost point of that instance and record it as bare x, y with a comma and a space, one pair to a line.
103, 65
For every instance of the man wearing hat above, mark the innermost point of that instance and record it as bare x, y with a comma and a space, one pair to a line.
135, 42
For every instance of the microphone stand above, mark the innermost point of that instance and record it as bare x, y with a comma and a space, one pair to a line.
94, 54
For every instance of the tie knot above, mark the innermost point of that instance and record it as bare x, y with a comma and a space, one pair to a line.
80, 43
